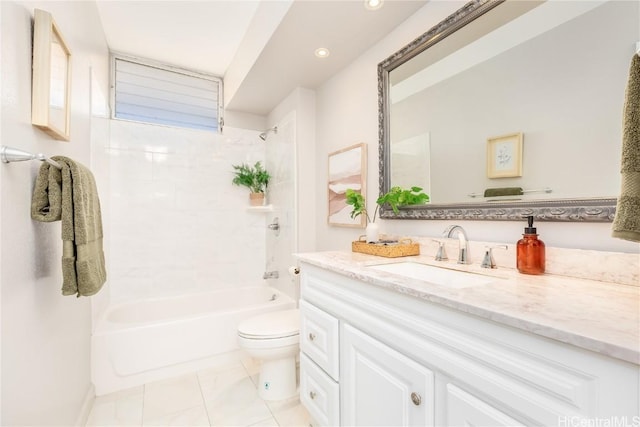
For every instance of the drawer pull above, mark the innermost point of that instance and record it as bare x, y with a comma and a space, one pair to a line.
312, 336
416, 399
312, 395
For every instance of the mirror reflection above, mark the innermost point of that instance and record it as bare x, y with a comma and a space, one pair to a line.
554, 72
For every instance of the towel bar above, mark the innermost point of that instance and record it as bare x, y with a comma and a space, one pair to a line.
10, 154
543, 190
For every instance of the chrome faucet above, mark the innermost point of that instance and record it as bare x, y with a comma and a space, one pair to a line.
463, 252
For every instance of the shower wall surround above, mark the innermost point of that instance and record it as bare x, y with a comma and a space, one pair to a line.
178, 225
281, 163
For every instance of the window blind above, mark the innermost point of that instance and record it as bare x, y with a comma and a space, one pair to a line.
151, 94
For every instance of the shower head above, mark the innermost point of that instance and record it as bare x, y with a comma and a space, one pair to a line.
263, 135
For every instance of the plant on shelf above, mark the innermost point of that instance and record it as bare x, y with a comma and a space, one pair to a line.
395, 198
255, 178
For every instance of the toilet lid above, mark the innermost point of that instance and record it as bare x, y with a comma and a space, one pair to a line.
275, 324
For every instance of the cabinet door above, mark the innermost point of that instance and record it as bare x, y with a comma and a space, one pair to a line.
380, 386
464, 409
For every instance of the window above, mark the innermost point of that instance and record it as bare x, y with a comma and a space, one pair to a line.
164, 95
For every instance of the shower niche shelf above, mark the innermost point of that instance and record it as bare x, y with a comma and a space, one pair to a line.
266, 208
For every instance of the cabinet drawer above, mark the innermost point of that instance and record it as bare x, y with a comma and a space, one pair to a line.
319, 338
319, 393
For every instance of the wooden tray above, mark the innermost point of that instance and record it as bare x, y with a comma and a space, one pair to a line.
389, 250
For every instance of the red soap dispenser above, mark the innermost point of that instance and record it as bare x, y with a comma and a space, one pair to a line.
530, 251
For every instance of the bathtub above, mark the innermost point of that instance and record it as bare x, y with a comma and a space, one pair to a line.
147, 340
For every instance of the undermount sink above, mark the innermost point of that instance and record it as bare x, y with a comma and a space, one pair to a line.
435, 275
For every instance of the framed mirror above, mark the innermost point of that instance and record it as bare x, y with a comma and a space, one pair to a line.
51, 79
551, 72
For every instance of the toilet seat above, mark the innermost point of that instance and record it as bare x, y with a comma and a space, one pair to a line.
272, 325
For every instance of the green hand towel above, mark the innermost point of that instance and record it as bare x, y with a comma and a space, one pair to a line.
71, 195
504, 191
626, 224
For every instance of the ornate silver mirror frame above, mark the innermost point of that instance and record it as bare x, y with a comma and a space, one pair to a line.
586, 210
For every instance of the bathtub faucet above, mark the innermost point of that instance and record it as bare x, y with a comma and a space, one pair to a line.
270, 275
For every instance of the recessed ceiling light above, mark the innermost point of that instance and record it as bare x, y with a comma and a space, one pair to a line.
322, 52
373, 4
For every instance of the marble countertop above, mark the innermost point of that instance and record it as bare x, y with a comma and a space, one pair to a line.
598, 316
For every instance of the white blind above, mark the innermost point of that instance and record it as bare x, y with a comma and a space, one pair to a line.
146, 93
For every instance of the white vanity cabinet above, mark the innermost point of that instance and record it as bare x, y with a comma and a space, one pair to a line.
403, 360
380, 386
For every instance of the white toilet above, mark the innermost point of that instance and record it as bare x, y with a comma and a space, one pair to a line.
274, 339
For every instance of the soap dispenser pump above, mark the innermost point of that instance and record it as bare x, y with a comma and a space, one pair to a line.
530, 255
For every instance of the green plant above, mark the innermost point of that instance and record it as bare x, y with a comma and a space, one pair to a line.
395, 197
255, 178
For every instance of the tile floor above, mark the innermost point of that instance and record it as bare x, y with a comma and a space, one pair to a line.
223, 396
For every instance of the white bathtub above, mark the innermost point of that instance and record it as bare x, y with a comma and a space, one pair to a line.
147, 340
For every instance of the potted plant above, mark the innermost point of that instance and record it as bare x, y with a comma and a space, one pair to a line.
255, 178
395, 197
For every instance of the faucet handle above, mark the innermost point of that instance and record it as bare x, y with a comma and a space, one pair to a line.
441, 255
488, 261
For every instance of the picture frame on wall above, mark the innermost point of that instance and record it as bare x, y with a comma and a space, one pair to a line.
347, 170
51, 78
504, 156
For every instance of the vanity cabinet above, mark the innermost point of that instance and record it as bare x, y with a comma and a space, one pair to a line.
380, 386
381, 357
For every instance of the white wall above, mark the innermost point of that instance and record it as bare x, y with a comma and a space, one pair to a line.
281, 164
178, 225
45, 336
347, 113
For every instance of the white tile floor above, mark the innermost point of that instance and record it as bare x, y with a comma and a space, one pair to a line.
223, 396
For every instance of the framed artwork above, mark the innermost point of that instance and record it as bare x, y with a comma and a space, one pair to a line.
347, 169
504, 156
51, 80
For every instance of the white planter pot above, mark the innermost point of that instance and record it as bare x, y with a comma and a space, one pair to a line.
373, 232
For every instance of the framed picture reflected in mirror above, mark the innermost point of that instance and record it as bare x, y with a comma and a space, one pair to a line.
504, 156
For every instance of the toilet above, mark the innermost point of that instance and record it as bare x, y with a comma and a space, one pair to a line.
274, 339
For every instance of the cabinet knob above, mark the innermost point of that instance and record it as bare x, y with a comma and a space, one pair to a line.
416, 399
312, 336
312, 394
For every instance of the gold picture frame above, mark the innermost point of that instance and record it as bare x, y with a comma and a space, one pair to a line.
504, 156
347, 169
51, 79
